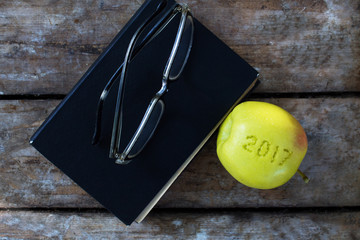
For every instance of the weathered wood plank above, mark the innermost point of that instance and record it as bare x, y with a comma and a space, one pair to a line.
332, 163
183, 225
46, 46
298, 46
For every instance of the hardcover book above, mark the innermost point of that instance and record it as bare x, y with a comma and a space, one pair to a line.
212, 82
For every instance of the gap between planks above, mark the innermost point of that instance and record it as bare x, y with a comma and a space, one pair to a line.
251, 96
269, 210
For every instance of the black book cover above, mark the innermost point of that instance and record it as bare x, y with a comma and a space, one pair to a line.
213, 81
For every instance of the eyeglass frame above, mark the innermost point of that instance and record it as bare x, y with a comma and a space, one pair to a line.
122, 158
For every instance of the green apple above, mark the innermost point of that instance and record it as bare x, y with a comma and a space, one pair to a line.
261, 145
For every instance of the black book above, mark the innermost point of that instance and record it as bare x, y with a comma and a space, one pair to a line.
213, 81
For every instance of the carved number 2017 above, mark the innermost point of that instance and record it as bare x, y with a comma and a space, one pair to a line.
264, 148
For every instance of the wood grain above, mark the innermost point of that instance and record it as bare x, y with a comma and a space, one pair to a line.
332, 163
181, 225
298, 46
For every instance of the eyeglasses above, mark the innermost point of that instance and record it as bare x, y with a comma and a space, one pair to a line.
172, 71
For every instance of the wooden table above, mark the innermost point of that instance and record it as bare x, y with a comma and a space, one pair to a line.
309, 55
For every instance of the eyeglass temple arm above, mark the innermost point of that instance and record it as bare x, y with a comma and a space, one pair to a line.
116, 75
104, 93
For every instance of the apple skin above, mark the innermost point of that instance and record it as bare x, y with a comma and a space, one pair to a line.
261, 145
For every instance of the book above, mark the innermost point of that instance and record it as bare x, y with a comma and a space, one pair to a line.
213, 81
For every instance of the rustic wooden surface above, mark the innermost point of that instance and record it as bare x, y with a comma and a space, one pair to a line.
309, 55
184, 225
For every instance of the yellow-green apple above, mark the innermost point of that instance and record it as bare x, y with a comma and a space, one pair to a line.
261, 145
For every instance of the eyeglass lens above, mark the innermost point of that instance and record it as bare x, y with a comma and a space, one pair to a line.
149, 129
183, 52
